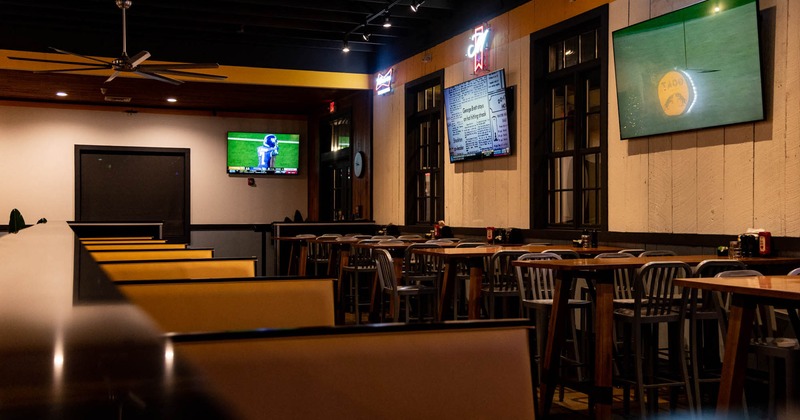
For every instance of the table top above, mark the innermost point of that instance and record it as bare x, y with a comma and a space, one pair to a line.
775, 287
488, 251
614, 263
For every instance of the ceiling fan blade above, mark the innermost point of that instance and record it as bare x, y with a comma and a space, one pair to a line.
79, 55
188, 74
70, 70
139, 58
151, 67
112, 77
40, 60
158, 77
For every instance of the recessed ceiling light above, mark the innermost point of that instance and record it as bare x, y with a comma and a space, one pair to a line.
172, 100
61, 93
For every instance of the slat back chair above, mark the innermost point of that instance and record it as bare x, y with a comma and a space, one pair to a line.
654, 304
360, 265
390, 287
535, 286
565, 254
623, 279
501, 281
658, 253
704, 324
419, 268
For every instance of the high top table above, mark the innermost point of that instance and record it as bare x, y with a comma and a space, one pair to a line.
780, 291
602, 271
474, 259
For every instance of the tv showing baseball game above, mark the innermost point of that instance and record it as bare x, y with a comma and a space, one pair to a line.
263, 153
692, 68
477, 118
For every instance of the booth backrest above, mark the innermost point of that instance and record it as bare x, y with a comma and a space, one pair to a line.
232, 305
119, 247
180, 269
480, 373
152, 254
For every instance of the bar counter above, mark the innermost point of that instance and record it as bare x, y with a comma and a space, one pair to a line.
71, 347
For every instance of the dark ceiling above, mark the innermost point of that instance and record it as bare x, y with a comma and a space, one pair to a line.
293, 34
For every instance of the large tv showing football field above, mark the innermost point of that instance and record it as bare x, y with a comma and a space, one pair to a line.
263, 153
692, 68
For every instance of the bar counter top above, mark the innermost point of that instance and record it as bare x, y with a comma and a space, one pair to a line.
72, 347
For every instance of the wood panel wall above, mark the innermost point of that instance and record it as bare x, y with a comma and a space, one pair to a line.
712, 181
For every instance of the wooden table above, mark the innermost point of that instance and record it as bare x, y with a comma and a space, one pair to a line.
781, 291
474, 259
602, 271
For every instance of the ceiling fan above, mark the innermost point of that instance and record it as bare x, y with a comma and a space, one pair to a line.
128, 64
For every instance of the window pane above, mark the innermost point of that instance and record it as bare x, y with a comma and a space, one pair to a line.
590, 172
588, 46
558, 105
592, 96
556, 56
590, 208
563, 171
570, 123
437, 95
571, 52
562, 207
558, 136
593, 130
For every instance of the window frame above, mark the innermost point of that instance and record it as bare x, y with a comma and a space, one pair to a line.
413, 173
542, 78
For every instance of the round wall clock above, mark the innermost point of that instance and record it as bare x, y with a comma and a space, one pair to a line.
358, 164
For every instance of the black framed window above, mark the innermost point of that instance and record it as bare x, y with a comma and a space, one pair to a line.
569, 125
425, 150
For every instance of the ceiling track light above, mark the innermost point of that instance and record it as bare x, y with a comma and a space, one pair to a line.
386, 22
416, 5
345, 46
365, 36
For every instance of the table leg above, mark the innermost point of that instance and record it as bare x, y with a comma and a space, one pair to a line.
344, 259
552, 353
604, 345
734, 361
475, 283
448, 283
302, 259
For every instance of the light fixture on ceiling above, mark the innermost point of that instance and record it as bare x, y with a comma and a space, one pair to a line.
416, 5
345, 46
386, 22
172, 100
61, 94
365, 36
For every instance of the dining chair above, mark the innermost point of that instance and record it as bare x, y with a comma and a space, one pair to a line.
535, 289
653, 306
767, 342
500, 283
319, 253
703, 320
410, 237
360, 265
419, 268
383, 237
633, 251
396, 293
565, 254
658, 253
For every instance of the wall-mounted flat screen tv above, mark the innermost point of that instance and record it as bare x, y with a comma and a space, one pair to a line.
477, 118
263, 153
692, 68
